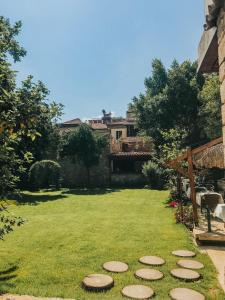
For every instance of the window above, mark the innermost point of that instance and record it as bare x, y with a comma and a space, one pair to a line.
131, 130
118, 134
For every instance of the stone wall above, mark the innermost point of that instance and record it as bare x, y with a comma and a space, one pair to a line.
75, 174
221, 57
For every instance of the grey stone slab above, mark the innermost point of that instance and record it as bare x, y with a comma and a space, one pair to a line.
115, 266
152, 260
98, 282
185, 274
185, 294
184, 253
137, 292
190, 264
149, 274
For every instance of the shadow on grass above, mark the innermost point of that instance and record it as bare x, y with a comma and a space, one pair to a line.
35, 199
5, 277
97, 191
45, 196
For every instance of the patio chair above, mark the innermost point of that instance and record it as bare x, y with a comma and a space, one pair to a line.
211, 200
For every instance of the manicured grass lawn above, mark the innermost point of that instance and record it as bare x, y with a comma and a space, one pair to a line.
71, 234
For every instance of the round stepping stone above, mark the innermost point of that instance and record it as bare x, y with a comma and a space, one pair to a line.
149, 274
185, 274
137, 292
190, 264
152, 260
98, 282
184, 253
185, 294
115, 266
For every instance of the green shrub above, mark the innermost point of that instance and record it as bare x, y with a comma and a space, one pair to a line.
44, 174
156, 175
128, 180
184, 215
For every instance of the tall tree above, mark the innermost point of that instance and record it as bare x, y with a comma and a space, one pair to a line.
25, 115
170, 101
84, 146
210, 109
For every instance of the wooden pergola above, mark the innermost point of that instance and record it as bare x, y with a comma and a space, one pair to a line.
189, 156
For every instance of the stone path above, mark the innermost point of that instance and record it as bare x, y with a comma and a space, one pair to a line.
115, 266
137, 292
186, 294
98, 282
183, 253
217, 255
185, 274
149, 274
152, 260
190, 264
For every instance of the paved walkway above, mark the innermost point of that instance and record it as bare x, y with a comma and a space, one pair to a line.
217, 255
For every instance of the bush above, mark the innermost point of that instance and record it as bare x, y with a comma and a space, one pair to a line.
184, 215
44, 174
155, 174
128, 180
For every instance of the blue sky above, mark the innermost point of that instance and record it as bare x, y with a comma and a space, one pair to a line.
95, 54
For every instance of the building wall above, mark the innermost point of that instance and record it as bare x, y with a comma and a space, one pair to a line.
123, 129
75, 174
221, 56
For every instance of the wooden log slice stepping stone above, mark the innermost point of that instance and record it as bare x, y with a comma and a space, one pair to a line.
115, 266
190, 264
152, 260
98, 282
149, 274
184, 253
137, 292
185, 274
185, 294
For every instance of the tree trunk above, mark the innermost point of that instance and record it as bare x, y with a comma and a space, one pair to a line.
88, 177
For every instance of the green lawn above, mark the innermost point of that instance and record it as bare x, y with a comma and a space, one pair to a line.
71, 234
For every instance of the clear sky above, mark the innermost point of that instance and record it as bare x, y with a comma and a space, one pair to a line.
95, 54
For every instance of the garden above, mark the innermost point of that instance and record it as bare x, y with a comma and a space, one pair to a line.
69, 234
53, 234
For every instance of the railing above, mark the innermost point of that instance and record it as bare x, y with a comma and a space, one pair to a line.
130, 144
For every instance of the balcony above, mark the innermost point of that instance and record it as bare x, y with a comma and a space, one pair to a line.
130, 145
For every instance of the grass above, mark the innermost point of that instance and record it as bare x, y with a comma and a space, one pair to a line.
70, 234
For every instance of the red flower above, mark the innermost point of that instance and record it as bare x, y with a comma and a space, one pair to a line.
173, 204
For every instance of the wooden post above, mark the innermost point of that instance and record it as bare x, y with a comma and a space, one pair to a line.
192, 185
179, 190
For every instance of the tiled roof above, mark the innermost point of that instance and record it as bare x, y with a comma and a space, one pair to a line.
76, 121
131, 155
121, 123
98, 126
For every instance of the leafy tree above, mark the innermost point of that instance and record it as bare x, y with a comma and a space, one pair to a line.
170, 101
7, 220
157, 82
156, 175
10, 131
26, 119
210, 109
174, 144
39, 118
84, 146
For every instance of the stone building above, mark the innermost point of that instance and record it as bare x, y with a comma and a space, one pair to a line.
212, 47
121, 163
